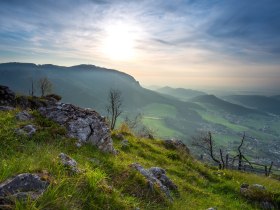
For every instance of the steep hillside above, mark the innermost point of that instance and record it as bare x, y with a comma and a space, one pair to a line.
108, 181
180, 93
85, 85
262, 103
89, 85
165, 117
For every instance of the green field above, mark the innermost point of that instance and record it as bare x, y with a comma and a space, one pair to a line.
159, 127
160, 110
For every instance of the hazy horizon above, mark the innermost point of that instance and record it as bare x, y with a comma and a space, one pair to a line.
229, 45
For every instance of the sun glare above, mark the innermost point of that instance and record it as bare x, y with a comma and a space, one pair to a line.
119, 42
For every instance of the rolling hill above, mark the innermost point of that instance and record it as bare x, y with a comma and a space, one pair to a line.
180, 93
277, 97
262, 103
225, 106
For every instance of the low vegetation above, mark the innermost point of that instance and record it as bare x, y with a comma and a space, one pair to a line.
108, 181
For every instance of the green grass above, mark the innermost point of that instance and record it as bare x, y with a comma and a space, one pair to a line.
108, 181
158, 125
160, 110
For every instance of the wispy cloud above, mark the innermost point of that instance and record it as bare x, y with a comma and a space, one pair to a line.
196, 37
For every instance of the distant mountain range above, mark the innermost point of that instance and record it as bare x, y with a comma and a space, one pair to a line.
88, 86
262, 103
225, 106
180, 93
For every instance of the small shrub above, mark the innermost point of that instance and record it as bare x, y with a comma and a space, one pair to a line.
173, 156
55, 96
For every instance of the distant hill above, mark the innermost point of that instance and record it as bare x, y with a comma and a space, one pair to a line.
88, 86
276, 97
220, 104
180, 93
262, 103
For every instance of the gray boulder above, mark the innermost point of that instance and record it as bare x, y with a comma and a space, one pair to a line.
84, 124
23, 116
259, 194
6, 108
22, 186
160, 174
157, 176
28, 130
176, 144
69, 163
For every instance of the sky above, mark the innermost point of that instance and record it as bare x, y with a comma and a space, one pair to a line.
226, 44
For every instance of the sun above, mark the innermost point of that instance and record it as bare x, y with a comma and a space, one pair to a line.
119, 42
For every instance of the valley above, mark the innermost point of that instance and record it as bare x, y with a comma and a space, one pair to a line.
168, 113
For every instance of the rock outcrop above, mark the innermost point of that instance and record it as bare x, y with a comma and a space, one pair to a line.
176, 144
28, 130
7, 97
22, 187
259, 194
69, 163
23, 116
157, 176
6, 108
84, 124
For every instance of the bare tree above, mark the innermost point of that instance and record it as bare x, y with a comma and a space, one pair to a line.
240, 155
31, 92
45, 86
134, 122
114, 107
206, 143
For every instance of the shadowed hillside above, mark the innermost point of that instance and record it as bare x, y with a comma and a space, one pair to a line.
224, 105
180, 93
84, 85
262, 103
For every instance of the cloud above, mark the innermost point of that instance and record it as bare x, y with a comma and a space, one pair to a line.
179, 35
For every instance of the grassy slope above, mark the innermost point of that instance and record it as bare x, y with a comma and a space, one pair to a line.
108, 181
154, 115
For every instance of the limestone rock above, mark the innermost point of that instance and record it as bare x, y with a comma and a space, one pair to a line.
257, 187
157, 176
6, 108
160, 174
28, 130
257, 193
21, 187
69, 163
7, 97
23, 116
84, 124
176, 144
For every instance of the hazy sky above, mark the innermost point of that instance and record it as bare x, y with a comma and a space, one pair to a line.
191, 43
